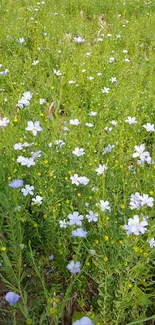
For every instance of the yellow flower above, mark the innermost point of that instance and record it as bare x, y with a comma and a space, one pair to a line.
45, 162
29, 321
3, 249
52, 311
35, 225
136, 249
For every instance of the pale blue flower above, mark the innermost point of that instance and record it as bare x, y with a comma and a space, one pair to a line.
74, 267
12, 298
16, 183
79, 232
83, 321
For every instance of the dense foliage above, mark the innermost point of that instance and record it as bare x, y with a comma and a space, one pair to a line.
77, 162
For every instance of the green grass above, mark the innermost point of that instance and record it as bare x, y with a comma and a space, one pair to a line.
116, 282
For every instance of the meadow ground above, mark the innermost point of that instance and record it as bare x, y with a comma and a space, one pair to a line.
77, 162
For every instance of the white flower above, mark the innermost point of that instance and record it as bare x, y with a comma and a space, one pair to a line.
126, 60
36, 154
71, 82
101, 169
63, 223
107, 128
75, 219
135, 202
27, 95
90, 78
149, 127
21, 160
92, 113
111, 60
90, 125
18, 146
105, 90
140, 152
21, 40
84, 321
74, 267
135, 226
25, 100
83, 180
113, 79
92, 216
42, 101
29, 162
79, 40
57, 72
108, 149
114, 123
35, 62
78, 152
151, 242
27, 190
34, 127
87, 54
104, 205
26, 161
4, 73
4, 122
145, 199
38, 199
65, 128
75, 122
59, 144
79, 232
75, 179
131, 120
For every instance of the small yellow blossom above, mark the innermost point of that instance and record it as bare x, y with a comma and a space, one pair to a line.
3, 249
